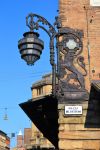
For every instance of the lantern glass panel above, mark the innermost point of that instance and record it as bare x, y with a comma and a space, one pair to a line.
71, 44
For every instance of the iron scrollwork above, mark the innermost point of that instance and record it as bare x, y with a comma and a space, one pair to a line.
71, 80
68, 50
34, 22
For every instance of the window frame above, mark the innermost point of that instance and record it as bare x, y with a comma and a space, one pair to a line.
94, 3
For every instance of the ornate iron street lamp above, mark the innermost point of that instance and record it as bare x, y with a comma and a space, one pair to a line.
70, 81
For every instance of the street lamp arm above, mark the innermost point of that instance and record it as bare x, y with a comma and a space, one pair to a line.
45, 30
34, 21
70, 80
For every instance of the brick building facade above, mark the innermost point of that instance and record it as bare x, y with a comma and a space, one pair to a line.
82, 132
4, 141
83, 15
73, 132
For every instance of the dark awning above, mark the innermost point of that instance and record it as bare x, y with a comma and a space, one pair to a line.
43, 113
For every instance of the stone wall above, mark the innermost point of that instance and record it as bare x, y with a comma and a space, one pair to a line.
80, 132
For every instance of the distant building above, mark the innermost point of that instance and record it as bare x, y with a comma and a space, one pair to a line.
27, 137
40, 88
4, 141
20, 142
33, 138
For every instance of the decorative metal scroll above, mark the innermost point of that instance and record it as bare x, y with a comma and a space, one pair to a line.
34, 21
71, 84
71, 66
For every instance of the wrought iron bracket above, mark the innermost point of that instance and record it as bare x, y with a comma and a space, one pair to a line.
71, 82
34, 22
65, 65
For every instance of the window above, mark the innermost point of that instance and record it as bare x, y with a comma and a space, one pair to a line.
39, 90
95, 2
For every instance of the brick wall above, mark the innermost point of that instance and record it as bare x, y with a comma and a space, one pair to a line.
82, 132
78, 14
27, 136
19, 141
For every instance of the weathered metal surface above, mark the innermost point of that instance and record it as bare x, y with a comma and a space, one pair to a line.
30, 47
70, 46
71, 80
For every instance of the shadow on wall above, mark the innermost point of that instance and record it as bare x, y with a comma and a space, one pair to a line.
93, 111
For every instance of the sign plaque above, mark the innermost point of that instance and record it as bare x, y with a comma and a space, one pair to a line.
73, 110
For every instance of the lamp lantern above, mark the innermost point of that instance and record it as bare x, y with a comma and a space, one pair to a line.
30, 47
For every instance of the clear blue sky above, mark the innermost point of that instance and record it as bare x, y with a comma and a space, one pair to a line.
16, 77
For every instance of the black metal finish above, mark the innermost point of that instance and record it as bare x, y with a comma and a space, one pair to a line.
71, 85
34, 21
69, 48
30, 47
